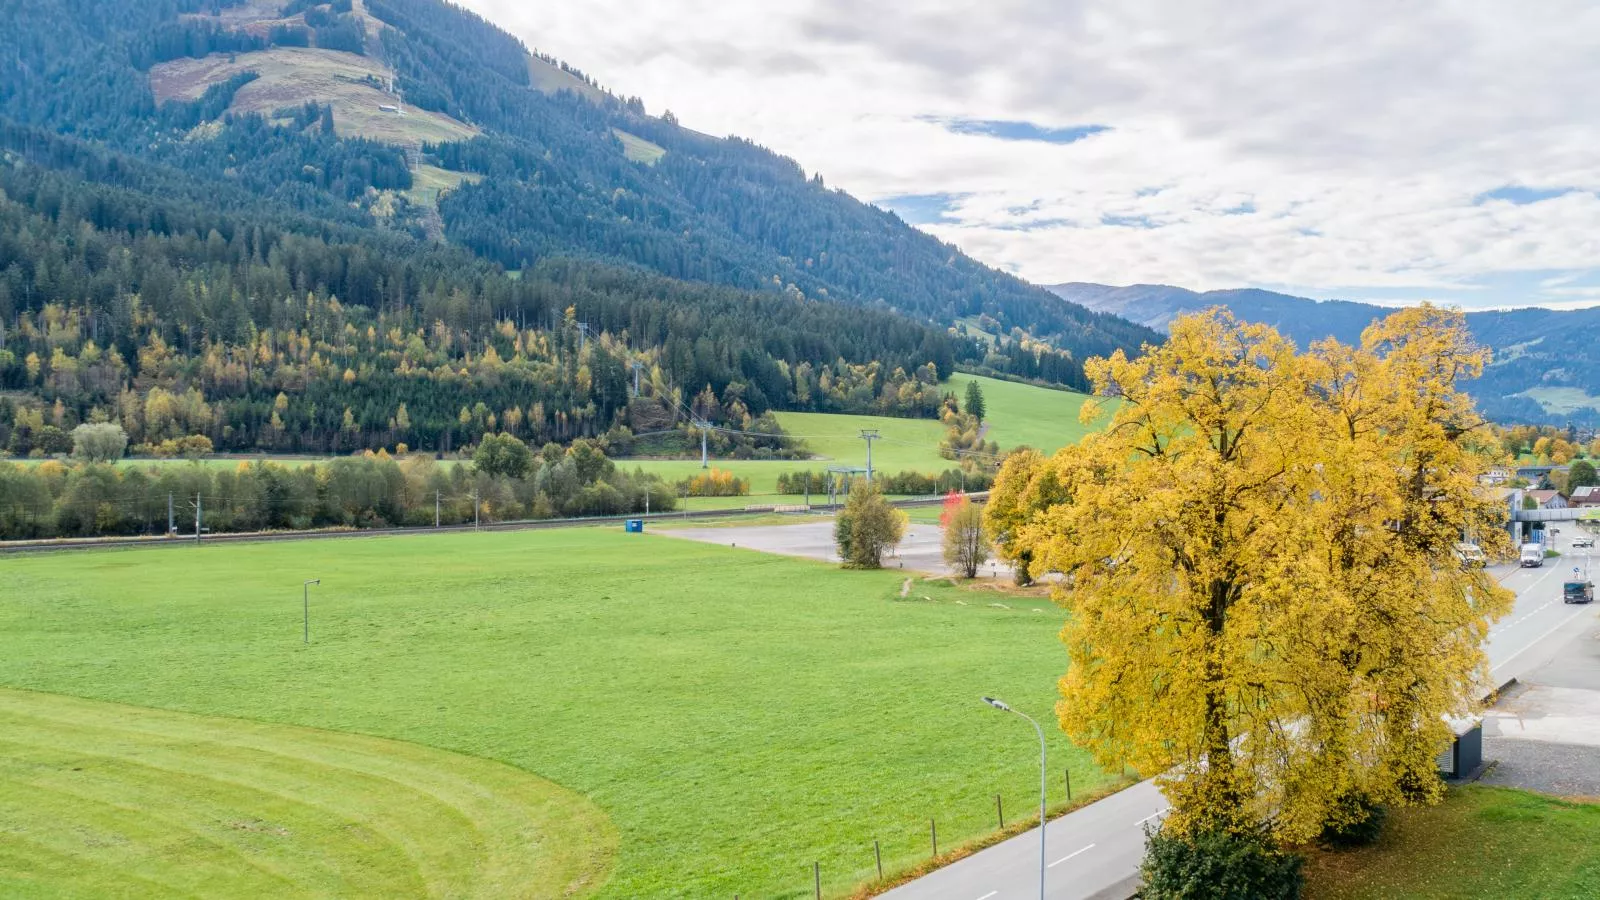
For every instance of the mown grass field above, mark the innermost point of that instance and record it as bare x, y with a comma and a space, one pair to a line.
1482, 842
735, 716
103, 799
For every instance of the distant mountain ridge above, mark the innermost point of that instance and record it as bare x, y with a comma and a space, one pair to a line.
1546, 365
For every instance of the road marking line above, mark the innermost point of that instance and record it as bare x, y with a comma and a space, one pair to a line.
1062, 860
1151, 816
1559, 625
988, 895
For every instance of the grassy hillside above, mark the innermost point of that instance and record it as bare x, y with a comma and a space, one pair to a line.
1022, 414
736, 715
291, 76
103, 799
639, 150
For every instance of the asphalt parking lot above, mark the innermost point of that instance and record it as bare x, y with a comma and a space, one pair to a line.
920, 551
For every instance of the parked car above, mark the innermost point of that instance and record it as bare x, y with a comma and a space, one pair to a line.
1577, 592
1532, 555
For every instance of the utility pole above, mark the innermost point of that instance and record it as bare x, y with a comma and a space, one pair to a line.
636, 367
705, 428
474, 509
869, 435
172, 526
436, 509
197, 518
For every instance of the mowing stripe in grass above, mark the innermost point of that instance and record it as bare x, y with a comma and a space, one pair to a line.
106, 799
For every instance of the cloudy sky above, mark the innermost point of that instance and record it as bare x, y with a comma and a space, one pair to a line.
1389, 151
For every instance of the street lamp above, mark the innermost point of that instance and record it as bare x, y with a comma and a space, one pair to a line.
1001, 705
305, 596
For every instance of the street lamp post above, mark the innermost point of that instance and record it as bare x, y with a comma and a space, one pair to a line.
1001, 705
305, 597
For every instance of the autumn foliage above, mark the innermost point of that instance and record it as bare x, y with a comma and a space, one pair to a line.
1264, 611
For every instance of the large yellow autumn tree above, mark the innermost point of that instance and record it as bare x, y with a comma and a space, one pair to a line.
1257, 560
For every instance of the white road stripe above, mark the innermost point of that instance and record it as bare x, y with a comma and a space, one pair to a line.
1065, 858
1560, 625
988, 895
1151, 816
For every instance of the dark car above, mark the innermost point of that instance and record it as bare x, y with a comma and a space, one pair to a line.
1577, 592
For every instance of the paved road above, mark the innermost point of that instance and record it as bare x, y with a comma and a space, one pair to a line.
1095, 852
921, 550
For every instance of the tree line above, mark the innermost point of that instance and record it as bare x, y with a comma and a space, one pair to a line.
370, 490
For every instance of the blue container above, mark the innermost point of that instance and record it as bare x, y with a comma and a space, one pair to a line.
634, 526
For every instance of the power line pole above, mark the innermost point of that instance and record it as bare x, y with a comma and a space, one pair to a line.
197, 516
705, 429
436, 509
172, 526
474, 509
636, 367
869, 435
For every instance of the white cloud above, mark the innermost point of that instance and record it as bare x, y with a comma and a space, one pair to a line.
1334, 148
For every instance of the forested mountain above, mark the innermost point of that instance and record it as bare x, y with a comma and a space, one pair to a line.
296, 225
1546, 367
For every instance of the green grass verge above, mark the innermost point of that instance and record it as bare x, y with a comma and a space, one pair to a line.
1481, 842
102, 799
736, 715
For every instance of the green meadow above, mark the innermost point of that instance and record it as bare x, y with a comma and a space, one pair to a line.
577, 712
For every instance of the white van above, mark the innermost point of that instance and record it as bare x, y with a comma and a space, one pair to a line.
1532, 555
1469, 555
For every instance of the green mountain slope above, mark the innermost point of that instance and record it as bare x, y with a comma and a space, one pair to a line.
287, 225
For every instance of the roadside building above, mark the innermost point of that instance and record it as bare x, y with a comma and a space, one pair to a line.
1547, 499
1496, 476
1584, 497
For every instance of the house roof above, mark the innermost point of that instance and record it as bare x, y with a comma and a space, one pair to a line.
1586, 492
1543, 497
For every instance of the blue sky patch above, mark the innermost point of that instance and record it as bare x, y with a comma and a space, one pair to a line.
1128, 221
1522, 196
921, 209
1008, 130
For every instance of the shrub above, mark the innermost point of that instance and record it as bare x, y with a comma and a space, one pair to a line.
1355, 821
1218, 866
866, 527
715, 483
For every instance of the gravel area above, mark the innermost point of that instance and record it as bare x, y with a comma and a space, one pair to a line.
1565, 770
1544, 734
